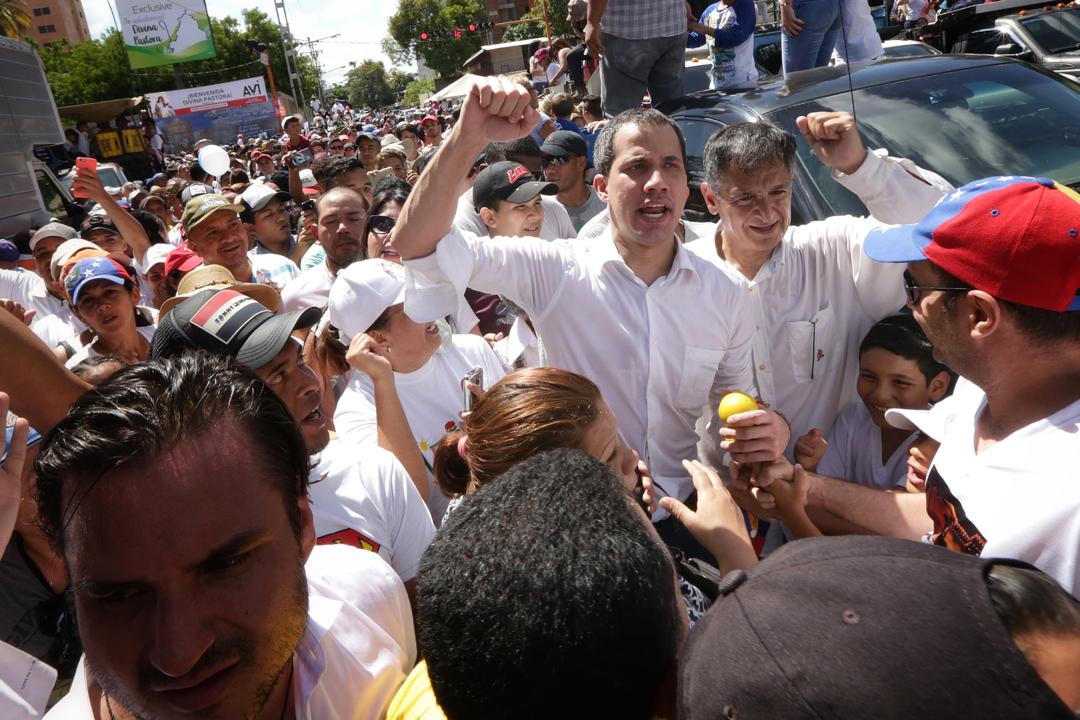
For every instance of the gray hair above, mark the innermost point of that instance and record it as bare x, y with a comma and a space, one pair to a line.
746, 147
604, 152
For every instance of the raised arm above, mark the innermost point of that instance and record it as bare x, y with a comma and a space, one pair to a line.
495, 110
89, 183
41, 389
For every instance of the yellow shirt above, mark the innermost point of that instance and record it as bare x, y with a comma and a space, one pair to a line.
415, 700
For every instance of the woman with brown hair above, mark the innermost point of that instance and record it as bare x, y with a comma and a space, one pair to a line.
538, 409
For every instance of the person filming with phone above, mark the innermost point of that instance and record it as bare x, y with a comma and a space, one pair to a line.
393, 358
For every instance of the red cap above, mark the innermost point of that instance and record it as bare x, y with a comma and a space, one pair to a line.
1017, 238
430, 118
182, 259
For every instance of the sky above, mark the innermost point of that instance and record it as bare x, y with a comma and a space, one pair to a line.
361, 23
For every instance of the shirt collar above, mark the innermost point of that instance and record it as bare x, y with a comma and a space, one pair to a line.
605, 252
309, 660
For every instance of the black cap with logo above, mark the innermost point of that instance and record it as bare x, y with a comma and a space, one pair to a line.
508, 181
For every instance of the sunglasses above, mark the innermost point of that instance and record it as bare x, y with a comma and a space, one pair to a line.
381, 224
556, 161
914, 292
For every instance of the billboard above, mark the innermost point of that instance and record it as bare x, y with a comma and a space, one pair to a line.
165, 32
218, 112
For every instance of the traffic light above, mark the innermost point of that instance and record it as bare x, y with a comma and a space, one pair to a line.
456, 33
424, 36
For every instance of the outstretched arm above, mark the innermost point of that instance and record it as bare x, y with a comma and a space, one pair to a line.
494, 110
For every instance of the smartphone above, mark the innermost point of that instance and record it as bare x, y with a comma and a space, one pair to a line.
83, 163
303, 157
377, 175
308, 205
476, 377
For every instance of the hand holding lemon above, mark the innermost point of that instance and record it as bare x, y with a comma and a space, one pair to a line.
734, 403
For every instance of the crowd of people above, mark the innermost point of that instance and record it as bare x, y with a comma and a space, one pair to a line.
420, 421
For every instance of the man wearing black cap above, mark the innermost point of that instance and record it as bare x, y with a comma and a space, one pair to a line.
565, 159
368, 502
507, 198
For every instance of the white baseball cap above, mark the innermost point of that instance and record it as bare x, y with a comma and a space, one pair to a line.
928, 422
362, 292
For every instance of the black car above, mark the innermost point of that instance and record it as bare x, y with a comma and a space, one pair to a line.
964, 117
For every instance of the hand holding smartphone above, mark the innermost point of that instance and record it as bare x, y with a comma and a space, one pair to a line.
475, 377
83, 163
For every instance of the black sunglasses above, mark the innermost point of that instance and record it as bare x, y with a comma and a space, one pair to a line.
382, 224
556, 161
914, 292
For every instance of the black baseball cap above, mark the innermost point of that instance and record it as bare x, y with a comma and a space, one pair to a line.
859, 627
564, 142
193, 190
98, 222
508, 181
227, 322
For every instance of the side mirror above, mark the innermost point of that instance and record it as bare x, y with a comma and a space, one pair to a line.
1009, 48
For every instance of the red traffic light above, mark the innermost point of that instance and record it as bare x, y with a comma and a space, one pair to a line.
423, 36
472, 27
457, 33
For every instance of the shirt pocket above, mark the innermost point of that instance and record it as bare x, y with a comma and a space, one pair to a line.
698, 370
809, 344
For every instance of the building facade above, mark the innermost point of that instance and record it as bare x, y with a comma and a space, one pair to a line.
504, 11
56, 21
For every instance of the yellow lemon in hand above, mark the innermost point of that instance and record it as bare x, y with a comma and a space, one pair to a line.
734, 403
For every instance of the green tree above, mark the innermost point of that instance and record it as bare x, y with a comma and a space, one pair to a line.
444, 55
98, 69
399, 80
557, 13
417, 90
367, 85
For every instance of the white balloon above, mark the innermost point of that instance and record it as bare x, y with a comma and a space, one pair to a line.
214, 160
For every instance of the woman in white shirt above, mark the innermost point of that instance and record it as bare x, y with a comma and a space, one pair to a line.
428, 363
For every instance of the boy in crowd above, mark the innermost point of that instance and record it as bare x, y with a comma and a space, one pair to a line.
728, 26
106, 298
897, 369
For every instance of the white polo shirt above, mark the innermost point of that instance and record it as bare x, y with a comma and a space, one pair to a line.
818, 294
1019, 498
364, 498
659, 353
311, 288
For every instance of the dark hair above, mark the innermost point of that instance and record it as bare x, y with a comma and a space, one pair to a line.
593, 104
152, 225
198, 174
1030, 602
1039, 325
550, 573
327, 169
149, 408
405, 127
604, 152
524, 413
901, 335
746, 147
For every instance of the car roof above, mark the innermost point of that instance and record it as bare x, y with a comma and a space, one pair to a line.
821, 82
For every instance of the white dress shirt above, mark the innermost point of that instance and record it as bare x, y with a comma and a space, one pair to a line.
816, 297
659, 353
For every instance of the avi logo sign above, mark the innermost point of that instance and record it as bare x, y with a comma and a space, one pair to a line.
255, 89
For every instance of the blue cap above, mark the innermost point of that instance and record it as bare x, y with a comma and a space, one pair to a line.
90, 270
9, 251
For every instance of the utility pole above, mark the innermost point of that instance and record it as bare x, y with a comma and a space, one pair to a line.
264, 57
318, 66
291, 65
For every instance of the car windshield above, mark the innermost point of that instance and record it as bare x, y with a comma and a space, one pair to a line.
1055, 32
912, 50
999, 120
108, 175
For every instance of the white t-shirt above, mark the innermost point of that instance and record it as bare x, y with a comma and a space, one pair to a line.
271, 269
357, 648
88, 351
854, 451
364, 498
1019, 498
557, 224
860, 41
732, 67
431, 398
